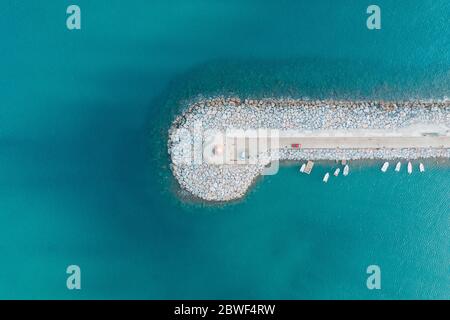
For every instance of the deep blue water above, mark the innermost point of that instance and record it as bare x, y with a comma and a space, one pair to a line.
84, 175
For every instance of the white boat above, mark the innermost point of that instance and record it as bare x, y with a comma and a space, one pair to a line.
409, 168
302, 168
346, 170
421, 167
398, 166
336, 172
326, 177
385, 166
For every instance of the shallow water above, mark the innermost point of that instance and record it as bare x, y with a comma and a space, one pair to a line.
84, 176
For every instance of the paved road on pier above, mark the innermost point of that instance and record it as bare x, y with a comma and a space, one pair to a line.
235, 146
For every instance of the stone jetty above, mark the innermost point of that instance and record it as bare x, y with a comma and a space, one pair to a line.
214, 167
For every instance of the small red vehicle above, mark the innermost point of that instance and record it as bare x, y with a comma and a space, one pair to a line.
295, 145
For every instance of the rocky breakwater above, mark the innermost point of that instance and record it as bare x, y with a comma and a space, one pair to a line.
197, 170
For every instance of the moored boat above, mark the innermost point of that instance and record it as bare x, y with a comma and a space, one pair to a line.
398, 166
421, 167
385, 167
326, 177
410, 168
346, 170
302, 168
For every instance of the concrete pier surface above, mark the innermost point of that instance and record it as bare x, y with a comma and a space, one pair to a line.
424, 137
367, 142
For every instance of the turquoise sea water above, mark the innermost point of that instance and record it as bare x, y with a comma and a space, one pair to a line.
84, 175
